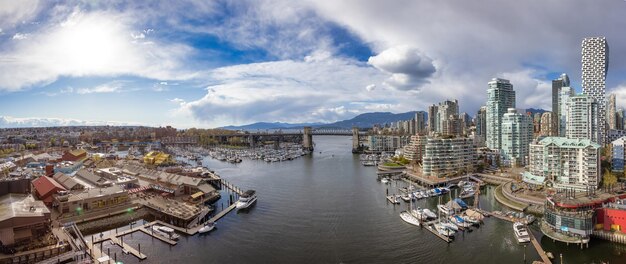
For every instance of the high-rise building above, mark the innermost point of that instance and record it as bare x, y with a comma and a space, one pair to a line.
500, 97
517, 133
546, 124
481, 126
444, 118
619, 115
582, 118
420, 123
432, 118
568, 163
557, 85
595, 64
537, 123
566, 93
610, 113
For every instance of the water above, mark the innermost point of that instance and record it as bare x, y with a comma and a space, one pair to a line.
327, 208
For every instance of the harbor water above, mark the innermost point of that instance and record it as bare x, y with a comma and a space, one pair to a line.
328, 208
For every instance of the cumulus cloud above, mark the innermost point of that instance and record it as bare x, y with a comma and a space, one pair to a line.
409, 68
9, 121
93, 43
105, 88
318, 89
370, 87
15, 12
20, 36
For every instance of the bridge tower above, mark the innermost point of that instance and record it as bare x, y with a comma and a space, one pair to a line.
356, 145
307, 138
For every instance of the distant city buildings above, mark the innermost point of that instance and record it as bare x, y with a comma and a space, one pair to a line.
546, 124
481, 126
444, 119
595, 64
500, 97
617, 154
557, 87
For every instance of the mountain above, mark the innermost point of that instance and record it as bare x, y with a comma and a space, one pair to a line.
368, 120
535, 111
268, 125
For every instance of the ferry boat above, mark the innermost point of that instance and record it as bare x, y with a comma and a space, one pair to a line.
409, 218
207, 228
521, 233
246, 199
165, 232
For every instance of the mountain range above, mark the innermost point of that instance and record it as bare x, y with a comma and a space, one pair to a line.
365, 120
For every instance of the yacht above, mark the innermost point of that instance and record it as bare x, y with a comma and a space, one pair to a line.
443, 230
409, 218
429, 213
419, 214
246, 199
521, 233
165, 232
445, 210
457, 220
207, 228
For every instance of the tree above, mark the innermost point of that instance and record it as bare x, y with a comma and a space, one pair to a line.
609, 179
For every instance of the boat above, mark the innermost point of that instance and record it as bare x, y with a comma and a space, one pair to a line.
207, 228
429, 213
406, 197
165, 231
521, 233
457, 220
444, 231
393, 199
409, 218
461, 203
419, 214
471, 220
384, 180
246, 199
445, 210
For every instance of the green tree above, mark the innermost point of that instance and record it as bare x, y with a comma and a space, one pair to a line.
609, 179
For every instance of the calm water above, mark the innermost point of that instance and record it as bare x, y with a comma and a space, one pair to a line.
327, 208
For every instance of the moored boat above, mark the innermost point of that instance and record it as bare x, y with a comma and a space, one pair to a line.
246, 199
521, 233
409, 218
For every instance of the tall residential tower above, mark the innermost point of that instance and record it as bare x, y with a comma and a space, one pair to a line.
500, 97
595, 64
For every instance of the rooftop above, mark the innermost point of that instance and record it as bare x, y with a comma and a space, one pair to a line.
21, 205
95, 192
569, 142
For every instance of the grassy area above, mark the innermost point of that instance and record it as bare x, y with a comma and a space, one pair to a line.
392, 164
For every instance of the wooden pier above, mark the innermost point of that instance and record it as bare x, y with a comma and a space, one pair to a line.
432, 229
542, 254
128, 248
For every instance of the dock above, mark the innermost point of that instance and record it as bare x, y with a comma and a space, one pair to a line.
432, 229
392, 199
157, 236
130, 249
542, 254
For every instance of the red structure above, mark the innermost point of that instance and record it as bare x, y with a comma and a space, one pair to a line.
612, 218
44, 187
74, 155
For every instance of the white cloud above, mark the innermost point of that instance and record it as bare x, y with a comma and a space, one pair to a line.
90, 44
20, 36
105, 88
410, 68
9, 121
137, 35
319, 89
15, 12
370, 87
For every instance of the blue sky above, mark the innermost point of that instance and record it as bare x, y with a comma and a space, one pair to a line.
216, 63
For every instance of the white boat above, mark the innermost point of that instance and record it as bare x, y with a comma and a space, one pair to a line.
521, 233
165, 232
471, 220
409, 218
406, 197
441, 229
419, 214
384, 180
429, 213
450, 226
246, 199
206, 228
457, 220
445, 210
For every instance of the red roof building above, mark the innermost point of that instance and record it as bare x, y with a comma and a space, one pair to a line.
44, 187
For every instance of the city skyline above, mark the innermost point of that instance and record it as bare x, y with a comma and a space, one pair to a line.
214, 64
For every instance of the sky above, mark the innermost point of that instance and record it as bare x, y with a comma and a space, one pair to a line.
215, 63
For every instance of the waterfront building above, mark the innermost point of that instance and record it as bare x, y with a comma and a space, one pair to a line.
557, 85
22, 218
387, 143
612, 217
595, 64
414, 151
617, 154
67, 182
45, 188
566, 93
445, 157
92, 200
500, 97
546, 124
564, 163
567, 220
481, 126
517, 133
582, 118
611, 113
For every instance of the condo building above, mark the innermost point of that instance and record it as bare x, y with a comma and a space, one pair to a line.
500, 97
445, 157
517, 133
595, 64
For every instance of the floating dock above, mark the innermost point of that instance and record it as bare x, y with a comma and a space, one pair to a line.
130, 249
432, 229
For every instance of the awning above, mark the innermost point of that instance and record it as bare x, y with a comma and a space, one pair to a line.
196, 195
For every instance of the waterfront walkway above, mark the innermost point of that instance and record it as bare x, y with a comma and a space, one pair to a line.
542, 254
